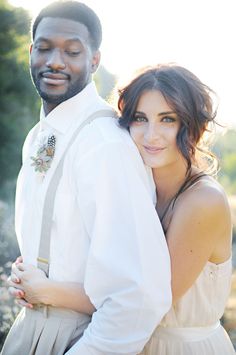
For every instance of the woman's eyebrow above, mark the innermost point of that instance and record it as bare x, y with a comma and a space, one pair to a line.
166, 113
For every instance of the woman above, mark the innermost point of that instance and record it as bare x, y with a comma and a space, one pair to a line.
167, 111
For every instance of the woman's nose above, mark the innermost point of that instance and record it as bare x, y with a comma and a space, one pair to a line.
151, 133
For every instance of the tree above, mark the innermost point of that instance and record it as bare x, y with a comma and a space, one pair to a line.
225, 150
18, 106
18, 100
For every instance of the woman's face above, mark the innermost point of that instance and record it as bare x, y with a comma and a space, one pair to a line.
154, 130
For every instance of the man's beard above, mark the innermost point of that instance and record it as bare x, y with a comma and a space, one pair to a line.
72, 90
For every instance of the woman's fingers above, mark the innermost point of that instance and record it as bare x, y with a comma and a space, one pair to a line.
12, 283
24, 303
16, 292
21, 266
19, 260
19, 296
16, 271
14, 278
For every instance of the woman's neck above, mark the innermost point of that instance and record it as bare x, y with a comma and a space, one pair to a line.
168, 182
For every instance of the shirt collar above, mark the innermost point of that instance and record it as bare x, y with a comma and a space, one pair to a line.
63, 116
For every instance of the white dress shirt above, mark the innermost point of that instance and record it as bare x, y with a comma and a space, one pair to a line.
105, 230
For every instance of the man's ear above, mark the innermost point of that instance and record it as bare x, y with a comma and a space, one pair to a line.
30, 48
95, 61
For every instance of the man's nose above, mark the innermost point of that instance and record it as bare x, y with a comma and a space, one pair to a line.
55, 60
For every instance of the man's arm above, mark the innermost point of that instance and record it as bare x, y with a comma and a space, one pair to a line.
128, 268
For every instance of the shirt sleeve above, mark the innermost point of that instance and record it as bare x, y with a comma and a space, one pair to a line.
128, 269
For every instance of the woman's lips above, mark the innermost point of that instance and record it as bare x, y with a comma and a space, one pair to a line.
153, 150
54, 79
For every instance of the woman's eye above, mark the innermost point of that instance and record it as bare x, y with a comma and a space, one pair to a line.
168, 119
139, 119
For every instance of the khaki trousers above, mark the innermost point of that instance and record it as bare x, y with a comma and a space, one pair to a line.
44, 330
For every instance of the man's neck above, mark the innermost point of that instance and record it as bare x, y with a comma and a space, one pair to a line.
48, 107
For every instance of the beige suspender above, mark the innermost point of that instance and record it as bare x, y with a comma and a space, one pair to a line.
45, 236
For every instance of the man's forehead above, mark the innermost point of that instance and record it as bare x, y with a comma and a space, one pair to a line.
50, 27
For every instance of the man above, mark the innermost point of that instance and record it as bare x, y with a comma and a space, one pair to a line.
103, 229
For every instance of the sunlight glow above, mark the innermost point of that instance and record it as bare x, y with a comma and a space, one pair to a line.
199, 35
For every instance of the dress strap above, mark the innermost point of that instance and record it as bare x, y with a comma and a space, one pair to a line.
187, 184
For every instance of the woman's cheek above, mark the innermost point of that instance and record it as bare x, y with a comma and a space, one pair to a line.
135, 133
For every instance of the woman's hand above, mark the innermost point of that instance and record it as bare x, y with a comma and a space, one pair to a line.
27, 283
14, 291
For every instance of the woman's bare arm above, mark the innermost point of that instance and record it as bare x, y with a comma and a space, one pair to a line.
200, 230
31, 286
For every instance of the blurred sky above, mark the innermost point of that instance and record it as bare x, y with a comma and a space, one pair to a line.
198, 34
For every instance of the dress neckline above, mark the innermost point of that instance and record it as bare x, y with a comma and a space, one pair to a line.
228, 261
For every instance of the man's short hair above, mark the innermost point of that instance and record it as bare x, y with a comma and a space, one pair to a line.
76, 11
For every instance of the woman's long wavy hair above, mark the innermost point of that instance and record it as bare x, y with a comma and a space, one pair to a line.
188, 97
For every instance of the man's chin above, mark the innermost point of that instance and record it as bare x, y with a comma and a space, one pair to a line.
55, 95
53, 99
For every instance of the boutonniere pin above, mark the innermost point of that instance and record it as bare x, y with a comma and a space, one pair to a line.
45, 153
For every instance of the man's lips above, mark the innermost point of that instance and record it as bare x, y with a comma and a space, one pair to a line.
153, 149
55, 79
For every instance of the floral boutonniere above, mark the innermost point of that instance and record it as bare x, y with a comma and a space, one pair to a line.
45, 153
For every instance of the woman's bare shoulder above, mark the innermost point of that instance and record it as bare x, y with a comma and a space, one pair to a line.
205, 194
202, 215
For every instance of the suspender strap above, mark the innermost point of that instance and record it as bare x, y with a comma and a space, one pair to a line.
45, 236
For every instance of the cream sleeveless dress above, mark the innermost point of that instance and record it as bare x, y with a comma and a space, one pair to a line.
192, 326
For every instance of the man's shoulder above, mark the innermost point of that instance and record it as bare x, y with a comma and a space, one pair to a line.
102, 135
32, 132
106, 130
31, 136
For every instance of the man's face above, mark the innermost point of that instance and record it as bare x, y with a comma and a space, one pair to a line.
61, 60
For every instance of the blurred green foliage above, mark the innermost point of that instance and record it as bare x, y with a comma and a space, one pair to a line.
225, 149
8, 252
19, 105
19, 102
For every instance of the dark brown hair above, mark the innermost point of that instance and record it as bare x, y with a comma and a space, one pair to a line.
185, 94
